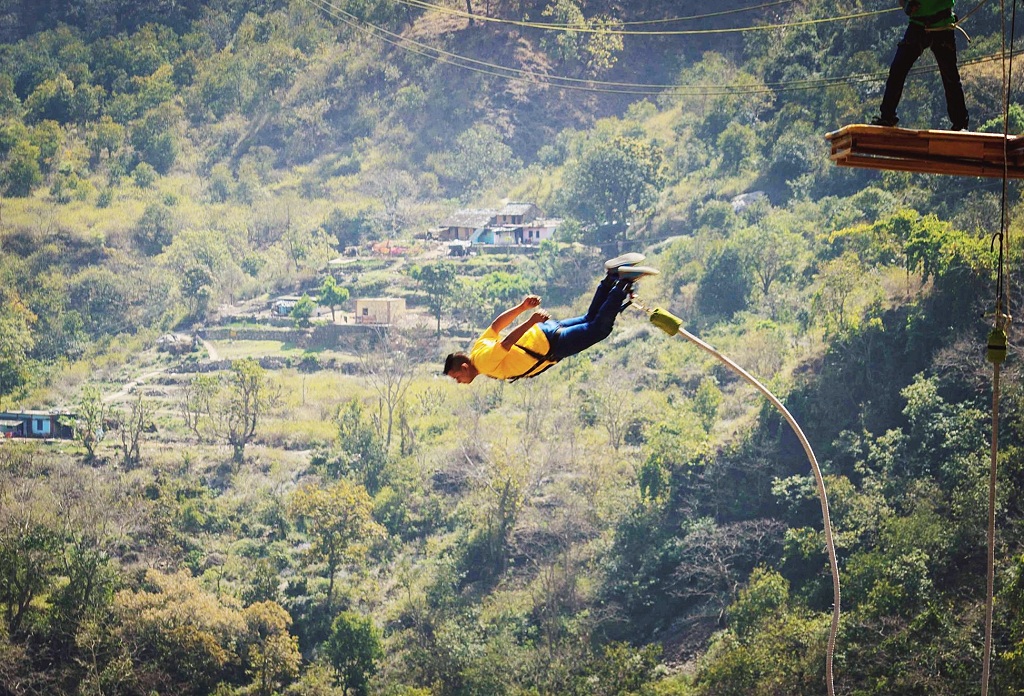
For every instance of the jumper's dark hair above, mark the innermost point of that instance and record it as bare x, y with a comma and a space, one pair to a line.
455, 360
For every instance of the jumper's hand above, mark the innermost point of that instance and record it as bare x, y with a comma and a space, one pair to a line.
530, 301
540, 316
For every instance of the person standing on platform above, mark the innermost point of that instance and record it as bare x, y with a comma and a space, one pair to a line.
932, 25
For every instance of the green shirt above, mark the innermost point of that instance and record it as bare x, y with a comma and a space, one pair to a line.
927, 8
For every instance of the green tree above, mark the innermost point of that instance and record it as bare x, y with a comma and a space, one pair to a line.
16, 343
738, 144
591, 44
196, 397
440, 282
21, 171
836, 280
308, 247
614, 182
59, 331
52, 100
87, 514
197, 287
350, 228
155, 229
173, 632
88, 420
105, 139
706, 402
724, 288
153, 137
144, 175
794, 162
103, 298
9, 102
361, 452
770, 253
242, 406
49, 138
497, 292
29, 553
204, 265
132, 425
771, 648
566, 269
480, 159
270, 652
331, 294
354, 648
338, 520
303, 310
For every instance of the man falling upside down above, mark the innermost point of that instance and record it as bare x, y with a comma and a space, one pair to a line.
540, 341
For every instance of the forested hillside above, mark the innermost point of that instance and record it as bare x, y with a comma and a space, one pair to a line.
304, 505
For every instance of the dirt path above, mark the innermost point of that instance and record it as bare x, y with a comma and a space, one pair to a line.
210, 350
129, 387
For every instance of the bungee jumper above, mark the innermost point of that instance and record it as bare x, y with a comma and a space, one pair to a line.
540, 341
932, 25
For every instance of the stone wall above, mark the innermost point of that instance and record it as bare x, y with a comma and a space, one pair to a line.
348, 337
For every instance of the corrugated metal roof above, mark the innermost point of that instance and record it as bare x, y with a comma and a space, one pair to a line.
470, 218
517, 209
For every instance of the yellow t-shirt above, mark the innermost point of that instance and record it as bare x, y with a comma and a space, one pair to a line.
488, 356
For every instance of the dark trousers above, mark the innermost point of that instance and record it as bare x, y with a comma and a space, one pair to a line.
910, 48
570, 336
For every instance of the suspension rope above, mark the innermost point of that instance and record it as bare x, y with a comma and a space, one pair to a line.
673, 326
997, 350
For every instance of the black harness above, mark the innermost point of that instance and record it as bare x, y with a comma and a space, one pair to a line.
931, 20
548, 358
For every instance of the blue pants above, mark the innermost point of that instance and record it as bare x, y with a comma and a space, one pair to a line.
570, 336
943, 45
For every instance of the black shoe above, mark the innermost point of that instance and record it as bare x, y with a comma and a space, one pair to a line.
960, 126
884, 121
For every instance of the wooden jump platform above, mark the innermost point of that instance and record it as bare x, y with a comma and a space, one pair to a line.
957, 153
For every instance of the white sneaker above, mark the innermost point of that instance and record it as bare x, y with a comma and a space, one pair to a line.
634, 272
629, 259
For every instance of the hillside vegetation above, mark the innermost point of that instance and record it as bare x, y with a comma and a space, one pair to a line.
274, 513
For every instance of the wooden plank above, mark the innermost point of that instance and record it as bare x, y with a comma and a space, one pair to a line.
925, 166
958, 153
956, 148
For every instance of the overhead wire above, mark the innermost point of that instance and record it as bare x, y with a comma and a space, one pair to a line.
591, 85
584, 29
645, 22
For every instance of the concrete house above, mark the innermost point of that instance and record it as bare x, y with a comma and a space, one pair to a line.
379, 310
35, 424
283, 305
515, 224
540, 229
465, 223
516, 214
